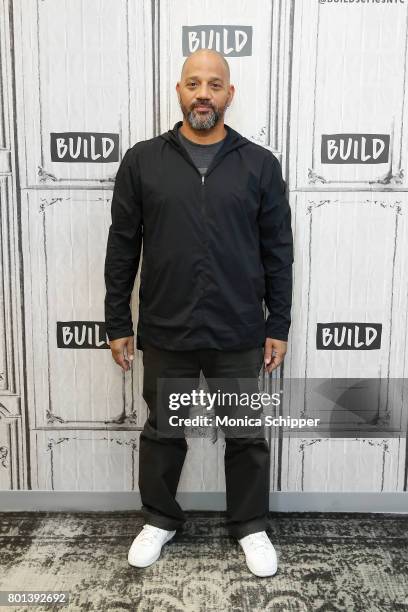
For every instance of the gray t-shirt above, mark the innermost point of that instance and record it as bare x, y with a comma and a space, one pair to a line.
201, 154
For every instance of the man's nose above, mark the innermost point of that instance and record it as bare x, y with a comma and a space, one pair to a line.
203, 92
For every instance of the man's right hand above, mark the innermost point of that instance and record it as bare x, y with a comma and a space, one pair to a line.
123, 351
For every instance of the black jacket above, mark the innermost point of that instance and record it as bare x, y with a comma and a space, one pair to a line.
213, 247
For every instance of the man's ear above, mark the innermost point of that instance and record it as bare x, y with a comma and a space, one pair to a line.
231, 94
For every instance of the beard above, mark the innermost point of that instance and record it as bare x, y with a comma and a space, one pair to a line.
202, 121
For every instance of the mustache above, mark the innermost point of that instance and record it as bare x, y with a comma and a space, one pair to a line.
205, 105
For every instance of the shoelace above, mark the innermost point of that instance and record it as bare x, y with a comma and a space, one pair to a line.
149, 535
260, 541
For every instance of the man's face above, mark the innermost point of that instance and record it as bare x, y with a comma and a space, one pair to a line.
204, 92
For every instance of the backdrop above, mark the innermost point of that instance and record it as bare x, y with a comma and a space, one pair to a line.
323, 84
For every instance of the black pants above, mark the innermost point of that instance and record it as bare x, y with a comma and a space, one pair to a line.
161, 458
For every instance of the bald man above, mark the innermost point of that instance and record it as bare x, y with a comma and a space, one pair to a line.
210, 208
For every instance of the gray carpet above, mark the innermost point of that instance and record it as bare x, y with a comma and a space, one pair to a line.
327, 562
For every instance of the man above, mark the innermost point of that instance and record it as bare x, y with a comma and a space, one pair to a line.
211, 209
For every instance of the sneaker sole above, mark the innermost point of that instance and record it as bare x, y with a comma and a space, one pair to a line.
156, 557
261, 574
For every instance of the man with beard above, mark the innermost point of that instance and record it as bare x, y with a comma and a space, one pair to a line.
210, 208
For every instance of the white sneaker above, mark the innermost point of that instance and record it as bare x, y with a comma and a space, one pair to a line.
147, 545
260, 554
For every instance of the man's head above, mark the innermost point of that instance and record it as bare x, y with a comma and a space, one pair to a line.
204, 90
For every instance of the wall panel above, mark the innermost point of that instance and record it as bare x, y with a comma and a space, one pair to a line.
305, 72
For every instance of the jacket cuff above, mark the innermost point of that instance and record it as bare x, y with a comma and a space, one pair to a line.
121, 333
277, 332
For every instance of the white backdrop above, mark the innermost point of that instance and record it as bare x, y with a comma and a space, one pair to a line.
305, 72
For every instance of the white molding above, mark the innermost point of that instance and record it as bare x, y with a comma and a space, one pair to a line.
73, 501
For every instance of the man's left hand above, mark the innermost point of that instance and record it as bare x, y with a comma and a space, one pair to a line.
274, 353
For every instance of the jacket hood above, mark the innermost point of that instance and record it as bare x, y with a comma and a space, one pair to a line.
233, 139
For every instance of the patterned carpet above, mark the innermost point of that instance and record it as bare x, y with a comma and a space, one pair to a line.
327, 562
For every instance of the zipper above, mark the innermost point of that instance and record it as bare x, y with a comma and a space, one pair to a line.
203, 195
205, 261
203, 207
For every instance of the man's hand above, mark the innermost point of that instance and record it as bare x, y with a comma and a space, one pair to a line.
123, 351
274, 353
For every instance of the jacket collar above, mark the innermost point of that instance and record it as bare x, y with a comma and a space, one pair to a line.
233, 139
